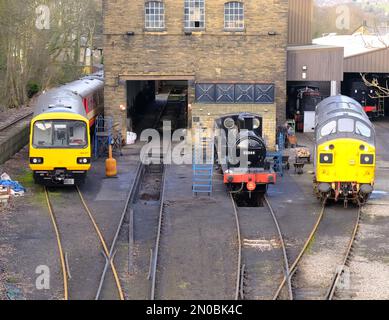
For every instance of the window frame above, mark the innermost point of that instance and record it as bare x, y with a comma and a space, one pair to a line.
191, 5
53, 122
334, 124
160, 7
236, 5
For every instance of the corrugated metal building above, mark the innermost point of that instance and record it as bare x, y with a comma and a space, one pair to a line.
369, 62
300, 22
315, 63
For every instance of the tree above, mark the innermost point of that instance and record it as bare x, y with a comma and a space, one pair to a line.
42, 46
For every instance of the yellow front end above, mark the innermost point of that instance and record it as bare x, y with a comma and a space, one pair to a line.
47, 160
345, 160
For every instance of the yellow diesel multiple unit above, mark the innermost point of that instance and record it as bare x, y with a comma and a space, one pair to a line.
345, 151
60, 142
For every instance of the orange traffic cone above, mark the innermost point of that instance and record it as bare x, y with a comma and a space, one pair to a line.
111, 165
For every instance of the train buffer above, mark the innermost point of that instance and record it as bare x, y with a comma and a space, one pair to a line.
203, 166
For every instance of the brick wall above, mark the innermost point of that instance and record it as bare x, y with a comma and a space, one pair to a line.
210, 55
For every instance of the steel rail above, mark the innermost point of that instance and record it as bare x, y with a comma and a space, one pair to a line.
293, 267
159, 235
129, 200
103, 243
60, 248
13, 122
283, 244
239, 275
339, 272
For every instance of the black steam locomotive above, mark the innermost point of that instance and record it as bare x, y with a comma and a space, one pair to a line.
241, 153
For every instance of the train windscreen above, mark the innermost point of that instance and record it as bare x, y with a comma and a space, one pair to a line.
60, 134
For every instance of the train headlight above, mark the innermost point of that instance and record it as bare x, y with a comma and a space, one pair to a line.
83, 160
256, 124
367, 159
326, 158
36, 160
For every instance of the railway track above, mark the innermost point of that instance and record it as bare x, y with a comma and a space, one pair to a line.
239, 293
63, 257
4, 127
156, 251
127, 210
338, 272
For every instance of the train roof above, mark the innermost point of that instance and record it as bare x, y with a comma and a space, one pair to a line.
59, 100
68, 98
337, 108
85, 86
339, 102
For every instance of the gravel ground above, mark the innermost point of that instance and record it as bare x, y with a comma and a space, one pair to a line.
369, 267
12, 114
26, 237
26, 233
325, 254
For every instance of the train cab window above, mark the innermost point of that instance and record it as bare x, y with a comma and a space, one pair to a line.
60, 134
346, 125
328, 129
43, 134
363, 129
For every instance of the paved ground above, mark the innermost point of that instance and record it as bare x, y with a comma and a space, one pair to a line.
198, 258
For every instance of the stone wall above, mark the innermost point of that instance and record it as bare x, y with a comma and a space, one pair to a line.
258, 54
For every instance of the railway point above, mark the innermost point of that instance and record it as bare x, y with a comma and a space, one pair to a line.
202, 151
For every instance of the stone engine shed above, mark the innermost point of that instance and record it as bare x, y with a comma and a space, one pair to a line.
233, 54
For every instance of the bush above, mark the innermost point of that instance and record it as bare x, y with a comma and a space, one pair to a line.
32, 89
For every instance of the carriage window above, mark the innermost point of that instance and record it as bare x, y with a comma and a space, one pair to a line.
328, 129
346, 125
363, 129
60, 134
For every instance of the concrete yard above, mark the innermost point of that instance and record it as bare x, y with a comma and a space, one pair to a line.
198, 252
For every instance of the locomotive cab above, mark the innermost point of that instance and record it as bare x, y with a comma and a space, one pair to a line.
60, 152
60, 147
241, 152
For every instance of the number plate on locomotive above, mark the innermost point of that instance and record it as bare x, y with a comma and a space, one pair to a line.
249, 153
68, 182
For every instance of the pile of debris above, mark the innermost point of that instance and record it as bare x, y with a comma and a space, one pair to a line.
5, 194
303, 153
9, 189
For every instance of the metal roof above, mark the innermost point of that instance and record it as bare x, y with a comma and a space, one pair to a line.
355, 44
362, 53
85, 86
59, 100
341, 107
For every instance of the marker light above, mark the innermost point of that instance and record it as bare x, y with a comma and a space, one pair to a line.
251, 186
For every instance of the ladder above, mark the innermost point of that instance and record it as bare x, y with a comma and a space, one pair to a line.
103, 136
381, 107
203, 166
278, 155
